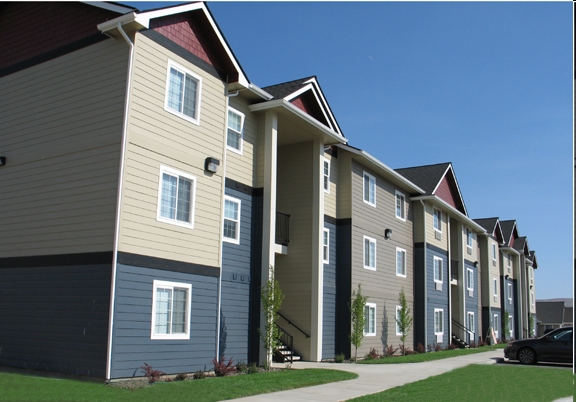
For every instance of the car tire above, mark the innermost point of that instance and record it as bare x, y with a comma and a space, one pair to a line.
527, 356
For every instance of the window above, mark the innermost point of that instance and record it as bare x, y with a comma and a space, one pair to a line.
235, 130
438, 269
370, 319
400, 206
469, 238
231, 220
327, 175
183, 93
398, 317
508, 263
532, 300
437, 220
469, 279
326, 246
471, 324
369, 253
495, 285
400, 262
531, 272
176, 197
438, 321
496, 325
171, 310
509, 293
369, 189
511, 326
493, 253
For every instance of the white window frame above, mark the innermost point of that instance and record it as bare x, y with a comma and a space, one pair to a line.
239, 133
398, 309
235, 240
532, 300
496, 326
531, 272
326, 175
368, 324
493, 253
177, 174
509, 287
326, 246
437, 220
495, 290
196, 118
469, 279
404, 264
400, 197
511, 326
509, 263
440, 277
469, 239
157, 284
371, 188
370, 242
471, 328
440, 313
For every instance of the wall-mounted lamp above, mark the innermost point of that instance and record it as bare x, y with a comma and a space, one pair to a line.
387, 233
507, 276
475, 264
2, 160
211, 164
531, 286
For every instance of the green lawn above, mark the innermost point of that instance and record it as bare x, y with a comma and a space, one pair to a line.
485, 383
426, 357
17, 387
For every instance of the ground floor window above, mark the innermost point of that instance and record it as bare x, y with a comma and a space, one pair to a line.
370, 319
171, 310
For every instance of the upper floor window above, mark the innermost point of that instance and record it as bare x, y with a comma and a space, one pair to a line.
232, 220
400, 206
531, 272
235, 130
532, 300
437, 220
400, 262
369, 253
326, 175
438, 269
469, 279
183, 90
171, 310
176, 197
509, 293
493, 253
370, 319
326, 246
508, 263
495, 286
469, 239
369, 189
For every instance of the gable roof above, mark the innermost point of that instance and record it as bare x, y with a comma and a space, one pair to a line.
533, 258
550, 312
521, 245
509, 231
492, 227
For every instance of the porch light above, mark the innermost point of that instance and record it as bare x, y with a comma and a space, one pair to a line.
2, 160
387, 233
211, 164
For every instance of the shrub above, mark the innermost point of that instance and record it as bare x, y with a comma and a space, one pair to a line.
339, 358
181, 377
436, 347
389, 350
252, 369
404, 350
151, 374
472, 345
420, 348
199, 375
241, 367
481, 342
451, 346
221, 368
373, 354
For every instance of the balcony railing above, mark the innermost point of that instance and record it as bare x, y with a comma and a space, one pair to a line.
282, 228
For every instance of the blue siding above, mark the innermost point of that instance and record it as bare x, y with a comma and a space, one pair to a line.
329, 298
131, 343
472, 302
437, 299
419, 296
55, 318
235, 291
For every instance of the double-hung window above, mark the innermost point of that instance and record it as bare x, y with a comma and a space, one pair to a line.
370, 319
494, 254
469, 238
176, 197
235, 130
400, 262
231, 220
326, 246
469, 280
495, 284
509, 293
438, 269
326, 175
471, 324
183, 90
438, 321
532, 300
511, 326
496, 325
369, 189
369, 253
508, 263
437, 220
400, 206
171, 310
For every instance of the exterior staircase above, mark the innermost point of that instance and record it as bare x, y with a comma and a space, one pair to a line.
285, 352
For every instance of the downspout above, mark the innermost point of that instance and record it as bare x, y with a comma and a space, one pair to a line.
425, 277
449, 273
119, 199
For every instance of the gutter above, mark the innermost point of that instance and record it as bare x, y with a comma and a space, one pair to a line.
469, 222
119, 198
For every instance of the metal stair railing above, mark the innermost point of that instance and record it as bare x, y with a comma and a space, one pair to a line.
461, 332
287, 340
294, 325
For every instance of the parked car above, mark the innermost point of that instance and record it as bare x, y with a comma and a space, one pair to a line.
556, 346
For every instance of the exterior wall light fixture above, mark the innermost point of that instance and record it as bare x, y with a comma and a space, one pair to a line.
211, 164
387, 233
2, 160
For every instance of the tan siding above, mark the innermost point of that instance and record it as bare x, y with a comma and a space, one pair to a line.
159, 138
330, 198
470, 254
494, 273
241, 167
63, 155
431, 233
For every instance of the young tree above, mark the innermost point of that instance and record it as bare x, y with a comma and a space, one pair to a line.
505, 327
403, 319
357, 306
271, 296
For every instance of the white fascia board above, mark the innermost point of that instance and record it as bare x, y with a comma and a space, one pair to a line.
304, 116
315, 93
117, 8
438, 201
455, 181
384, 167
259, 91
113, 24
510, 250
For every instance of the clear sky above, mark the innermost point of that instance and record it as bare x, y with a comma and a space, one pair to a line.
484, 85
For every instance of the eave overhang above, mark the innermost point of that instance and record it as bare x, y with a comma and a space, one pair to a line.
449, 208
510, 250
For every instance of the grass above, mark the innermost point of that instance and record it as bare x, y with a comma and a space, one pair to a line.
484, 383
18, 387
430, 356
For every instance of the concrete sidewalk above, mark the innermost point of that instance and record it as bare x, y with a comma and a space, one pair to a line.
372, 378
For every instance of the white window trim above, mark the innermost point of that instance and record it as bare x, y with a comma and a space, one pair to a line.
371, 240
398, 249
370, 306
371, 178
495, 290
510, 325
241, 141
509, 263
326, 177
441, 311
509, 287
403, 213
229, 239
437, 212
469, 279
441, 280
326, 246
398, 308
469, 239
468, 315
174, 172
532, 300
494, 252
195, 120
171, 285
495, 325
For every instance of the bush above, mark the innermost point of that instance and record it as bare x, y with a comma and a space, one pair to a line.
241, 367
420, 348
252, 369
151, 374
199, 375
339, 358
436, 347
389, 350
373, 354
405, 351
222, 369
181, 377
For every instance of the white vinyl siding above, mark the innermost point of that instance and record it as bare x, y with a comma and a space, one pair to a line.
369, 189
370, 319
231, 230
183, 90
400, 206
234, 136
326, 246
400, 262
176, 197
438, 269
369, 253
171, 310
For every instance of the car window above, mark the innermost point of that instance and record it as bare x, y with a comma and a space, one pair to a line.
563, 335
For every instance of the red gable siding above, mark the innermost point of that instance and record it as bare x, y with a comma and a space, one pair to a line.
308, 104
444, 192
30, 29
300, 104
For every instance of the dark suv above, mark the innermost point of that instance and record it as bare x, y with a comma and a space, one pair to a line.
556, 346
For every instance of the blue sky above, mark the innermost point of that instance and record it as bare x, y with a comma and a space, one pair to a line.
484, 85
